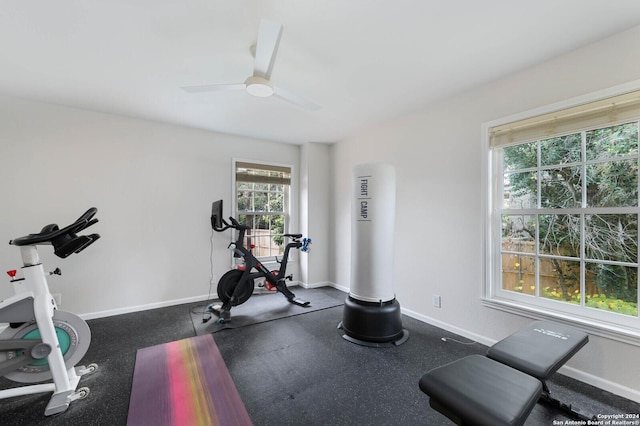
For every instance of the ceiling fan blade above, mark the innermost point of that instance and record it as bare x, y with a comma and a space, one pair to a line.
214, 87
269, 34
294, 99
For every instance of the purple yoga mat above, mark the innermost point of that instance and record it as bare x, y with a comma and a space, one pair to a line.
182, 383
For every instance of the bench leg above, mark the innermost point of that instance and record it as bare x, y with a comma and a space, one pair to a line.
575, 413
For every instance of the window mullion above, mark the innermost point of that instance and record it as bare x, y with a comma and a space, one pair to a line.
583, 265
539, 176
537, 256
537, 216
638, 220
497, 208
538, 206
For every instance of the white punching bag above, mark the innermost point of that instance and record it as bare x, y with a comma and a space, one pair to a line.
372, 315
372, 232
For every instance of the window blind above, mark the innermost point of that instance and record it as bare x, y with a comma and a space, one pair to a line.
262, 173
602, 113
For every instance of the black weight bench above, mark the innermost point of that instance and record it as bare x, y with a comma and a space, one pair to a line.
503, 387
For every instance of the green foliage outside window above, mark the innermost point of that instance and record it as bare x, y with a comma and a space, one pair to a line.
596, 169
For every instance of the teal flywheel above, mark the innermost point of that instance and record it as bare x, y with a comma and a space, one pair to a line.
63, 338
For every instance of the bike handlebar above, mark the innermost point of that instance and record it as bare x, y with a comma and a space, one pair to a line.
65, 241
234, 224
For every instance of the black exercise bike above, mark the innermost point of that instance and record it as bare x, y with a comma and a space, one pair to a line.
236, 286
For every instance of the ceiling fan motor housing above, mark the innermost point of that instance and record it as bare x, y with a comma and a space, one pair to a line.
259, 86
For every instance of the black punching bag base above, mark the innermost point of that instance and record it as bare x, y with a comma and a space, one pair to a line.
373, 324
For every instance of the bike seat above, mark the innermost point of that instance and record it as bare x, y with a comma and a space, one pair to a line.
293, 235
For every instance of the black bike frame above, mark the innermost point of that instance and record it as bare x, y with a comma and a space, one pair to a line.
252, 263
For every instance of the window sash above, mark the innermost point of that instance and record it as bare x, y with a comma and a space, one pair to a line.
539, 211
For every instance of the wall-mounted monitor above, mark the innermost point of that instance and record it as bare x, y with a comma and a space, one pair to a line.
216, 214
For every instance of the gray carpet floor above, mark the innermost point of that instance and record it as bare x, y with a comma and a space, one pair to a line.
295, 370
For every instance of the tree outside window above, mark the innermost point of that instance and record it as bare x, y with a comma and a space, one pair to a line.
569, 227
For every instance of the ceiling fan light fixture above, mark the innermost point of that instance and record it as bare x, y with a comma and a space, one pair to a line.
259, 86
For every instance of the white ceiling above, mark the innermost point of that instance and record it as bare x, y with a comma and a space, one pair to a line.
363, 60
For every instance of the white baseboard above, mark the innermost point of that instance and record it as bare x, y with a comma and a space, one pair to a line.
448, 327
315, 285
139, 308
146, 307
338, 287
599, 382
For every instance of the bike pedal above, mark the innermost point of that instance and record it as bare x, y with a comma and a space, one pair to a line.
213, 308
299, 302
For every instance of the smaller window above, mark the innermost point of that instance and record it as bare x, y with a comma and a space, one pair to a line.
262, 204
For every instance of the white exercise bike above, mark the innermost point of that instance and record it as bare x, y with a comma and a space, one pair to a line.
42, 343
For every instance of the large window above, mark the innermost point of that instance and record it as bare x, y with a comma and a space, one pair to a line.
563, 223
262, 203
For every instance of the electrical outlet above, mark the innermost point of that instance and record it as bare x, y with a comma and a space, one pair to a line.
436, 301
58, 298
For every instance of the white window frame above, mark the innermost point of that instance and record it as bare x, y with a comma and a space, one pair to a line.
606, 324
288, 199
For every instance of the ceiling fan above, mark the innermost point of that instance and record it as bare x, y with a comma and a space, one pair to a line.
259, 84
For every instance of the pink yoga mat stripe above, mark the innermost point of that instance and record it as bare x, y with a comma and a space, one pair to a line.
185, 382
